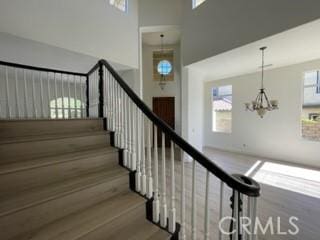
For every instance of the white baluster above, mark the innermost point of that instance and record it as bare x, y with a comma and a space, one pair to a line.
143, 160
172, 212
149, 166
251, 214
138, 172
55, 94
62, 96
26, 106
128, 131
109, 104
207, 208
41, 95
133, 141
69, 97
122, 117
17, 94
125, 127
221, 206
163, 212
113, 114
116, 110
156, 201
183, 202
7, 94
236, 216
118, 117
35, 112
194, 203
82, 89
49, 98
75, 97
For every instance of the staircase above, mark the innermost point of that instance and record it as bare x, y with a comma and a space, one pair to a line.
61, 179
97, 171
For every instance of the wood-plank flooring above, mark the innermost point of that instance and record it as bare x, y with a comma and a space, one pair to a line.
283, 194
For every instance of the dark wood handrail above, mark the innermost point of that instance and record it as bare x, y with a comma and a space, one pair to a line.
236, 183
29, 67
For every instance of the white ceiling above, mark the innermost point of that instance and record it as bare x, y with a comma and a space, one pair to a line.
297, 45
153, 38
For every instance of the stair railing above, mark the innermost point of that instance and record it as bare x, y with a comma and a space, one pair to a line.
28, 92
134, 125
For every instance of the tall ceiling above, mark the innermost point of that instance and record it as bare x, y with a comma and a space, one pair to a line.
297, 45
171, 37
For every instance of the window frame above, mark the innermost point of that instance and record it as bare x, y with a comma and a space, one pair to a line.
120, 9
158, 56
195, 4
303, 87
212, 105
318, 83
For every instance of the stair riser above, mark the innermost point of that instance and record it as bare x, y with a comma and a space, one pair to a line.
13, 129
36, 216
33, 149
40, 176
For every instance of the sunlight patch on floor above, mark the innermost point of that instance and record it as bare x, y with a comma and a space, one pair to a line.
295, 179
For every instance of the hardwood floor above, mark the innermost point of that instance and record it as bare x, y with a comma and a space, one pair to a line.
286, 191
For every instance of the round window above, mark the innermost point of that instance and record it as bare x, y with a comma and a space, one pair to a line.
164, 67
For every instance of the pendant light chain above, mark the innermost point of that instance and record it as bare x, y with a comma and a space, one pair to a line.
262, 104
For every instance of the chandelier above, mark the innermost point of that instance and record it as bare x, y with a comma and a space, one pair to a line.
262, 104
162, 82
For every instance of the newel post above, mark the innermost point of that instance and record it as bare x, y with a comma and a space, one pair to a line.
100, 109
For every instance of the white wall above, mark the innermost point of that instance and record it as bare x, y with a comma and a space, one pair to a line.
220, 25
163, 12
90, 27
19, 50
276, 136
195, 108
132, 78
172, 89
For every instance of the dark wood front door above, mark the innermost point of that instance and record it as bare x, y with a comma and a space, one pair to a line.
163, 107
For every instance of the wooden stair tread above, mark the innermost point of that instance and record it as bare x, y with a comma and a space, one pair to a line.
78, 225
160, 235
33, 127
132, 225
28, 198
6, 168
36, 138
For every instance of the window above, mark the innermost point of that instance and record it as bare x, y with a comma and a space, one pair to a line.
310, 115
66, 108
196, 3
120, 4
163, 65
222, 109
318, 83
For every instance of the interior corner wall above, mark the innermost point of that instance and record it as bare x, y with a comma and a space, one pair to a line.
163, 12
217, 26
195, 108
172, 89
131, 77
278, 134
93, 28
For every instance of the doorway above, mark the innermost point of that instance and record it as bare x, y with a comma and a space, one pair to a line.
163, 107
